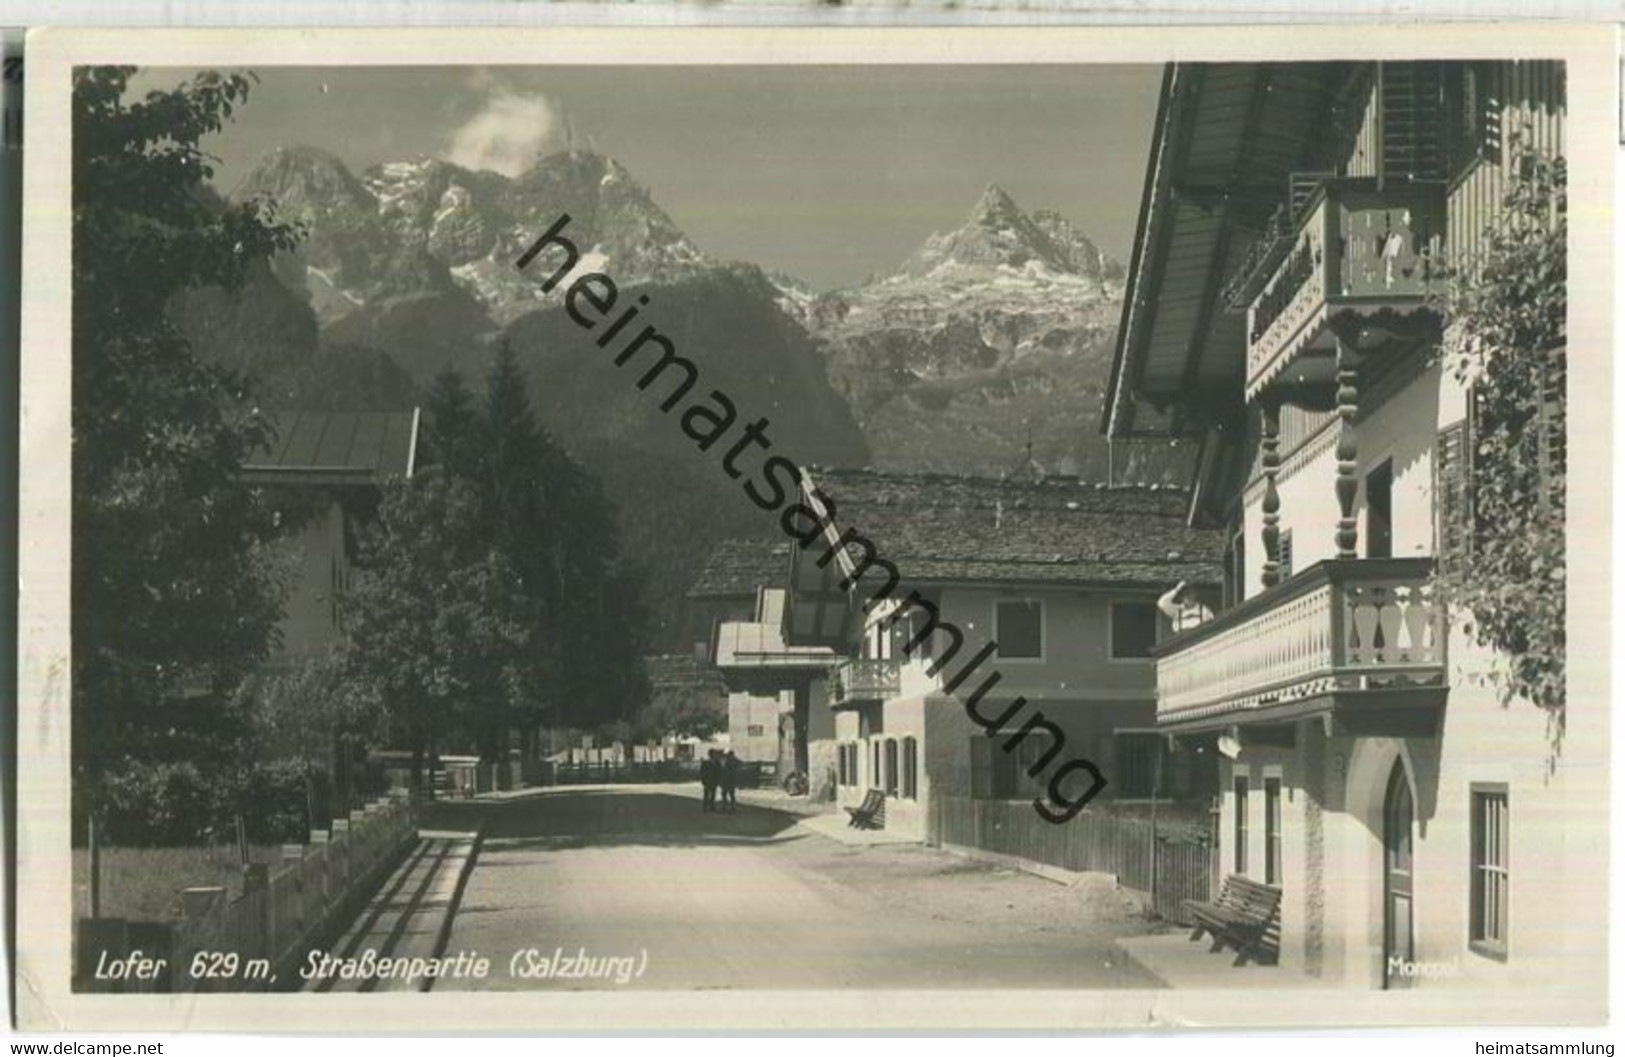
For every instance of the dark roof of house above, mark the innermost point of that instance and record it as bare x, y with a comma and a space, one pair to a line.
338, 447
737, 567
941, 528
677, 671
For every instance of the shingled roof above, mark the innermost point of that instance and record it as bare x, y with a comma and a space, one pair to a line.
737, 567
679, 671
940, 528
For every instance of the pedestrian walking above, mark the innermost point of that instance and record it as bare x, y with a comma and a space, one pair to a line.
730, 780
710, 775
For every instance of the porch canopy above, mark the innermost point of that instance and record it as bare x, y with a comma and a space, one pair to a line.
1228, 141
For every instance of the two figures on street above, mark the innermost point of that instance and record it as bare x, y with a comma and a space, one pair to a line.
719, 774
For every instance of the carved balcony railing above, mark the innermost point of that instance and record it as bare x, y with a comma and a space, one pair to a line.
856, 682
1340, 627
1361, 251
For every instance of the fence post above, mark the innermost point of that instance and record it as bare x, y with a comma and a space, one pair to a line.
197, 905
339, 848
293, 856
320, 838
257, 889
361, 852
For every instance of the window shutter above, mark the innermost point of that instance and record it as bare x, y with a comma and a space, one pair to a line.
1412, 102
1452, 490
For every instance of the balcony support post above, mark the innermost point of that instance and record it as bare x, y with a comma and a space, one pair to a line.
1348, 465
1270, 461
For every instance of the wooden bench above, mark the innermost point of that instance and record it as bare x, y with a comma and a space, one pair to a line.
1246, 917
871, 814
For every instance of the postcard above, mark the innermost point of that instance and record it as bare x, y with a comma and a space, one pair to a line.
799, 529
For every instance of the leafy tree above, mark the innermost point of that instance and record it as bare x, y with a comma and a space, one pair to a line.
687, 711
1507, 340
174, 593
436, 629
559, 530
492, 595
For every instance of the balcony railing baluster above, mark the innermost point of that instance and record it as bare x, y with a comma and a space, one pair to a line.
1349, 624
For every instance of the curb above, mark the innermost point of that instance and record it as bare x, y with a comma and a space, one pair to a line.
443, 933
1139, 963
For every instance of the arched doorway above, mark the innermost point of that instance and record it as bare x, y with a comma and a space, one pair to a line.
1398, 858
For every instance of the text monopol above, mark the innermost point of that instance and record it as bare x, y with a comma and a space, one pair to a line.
772, 481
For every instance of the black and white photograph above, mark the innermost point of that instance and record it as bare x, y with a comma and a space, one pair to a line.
1077, 519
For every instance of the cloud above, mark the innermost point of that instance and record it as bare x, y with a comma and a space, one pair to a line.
508, 133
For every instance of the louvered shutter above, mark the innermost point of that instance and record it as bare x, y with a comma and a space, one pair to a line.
1452, 489
1412, 102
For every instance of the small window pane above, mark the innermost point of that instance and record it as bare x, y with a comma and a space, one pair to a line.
1020, 629
1490, 874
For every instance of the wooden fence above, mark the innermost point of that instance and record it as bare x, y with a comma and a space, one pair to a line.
257, 940
1168, 867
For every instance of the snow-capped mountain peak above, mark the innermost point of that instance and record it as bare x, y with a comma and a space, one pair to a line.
998, 240
429, 213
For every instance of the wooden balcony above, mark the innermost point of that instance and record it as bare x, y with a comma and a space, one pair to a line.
1361, 641
1364, 260
859, 682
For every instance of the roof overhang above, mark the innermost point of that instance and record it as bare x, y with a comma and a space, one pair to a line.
1229, 137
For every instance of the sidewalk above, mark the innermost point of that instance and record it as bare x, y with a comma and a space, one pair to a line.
1187, 965
835, 828
411, 915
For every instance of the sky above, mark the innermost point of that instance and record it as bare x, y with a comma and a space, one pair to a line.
830, 174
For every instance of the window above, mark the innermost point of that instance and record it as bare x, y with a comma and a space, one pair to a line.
1139, 760
1272, 831
1007, 775
1241, 825
754, 730
1473, 116
911, 769
914, 619
1019, 629
1379, 511
1134, 630
982, 755
891, 767
874, 763
1489, 877
1235, 569
840, 765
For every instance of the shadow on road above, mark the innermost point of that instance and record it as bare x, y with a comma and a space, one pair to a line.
594, 818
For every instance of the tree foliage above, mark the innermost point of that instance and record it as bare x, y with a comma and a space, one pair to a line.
493, 596
174, 591
687, 711
437, 627
1506, 340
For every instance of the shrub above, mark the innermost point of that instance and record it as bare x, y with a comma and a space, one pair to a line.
147, 804
152, 804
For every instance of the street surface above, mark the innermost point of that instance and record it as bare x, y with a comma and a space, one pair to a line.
612, 887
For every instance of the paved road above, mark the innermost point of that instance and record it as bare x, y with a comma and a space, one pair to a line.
656, 891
